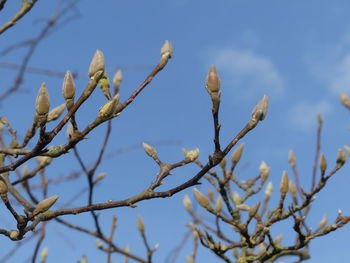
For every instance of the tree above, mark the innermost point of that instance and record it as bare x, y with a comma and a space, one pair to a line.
242, 214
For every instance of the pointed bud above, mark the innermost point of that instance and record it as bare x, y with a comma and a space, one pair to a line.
42, 104
347, 149
237, 154
70, 131
323, 222
284, 186
108, 109
264, 171
3, 187
210, 194
344, 99
150, 150
100, 176
223, 163
243, 207
323, 164
104, 85
44, 160
213, 80
166, 52
254, 209
236, 198
187, 203
45, 205
97, 63
201, 199
43, 255
117, 79
291, 158
192, 155
268, 191
68, 87
278, 239
260, 110
56, 112
341, 158
292, 189
140, 224
218, 205
99, 244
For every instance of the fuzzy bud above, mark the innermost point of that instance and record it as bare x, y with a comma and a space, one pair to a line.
108, 109
140, 224
45, 205
213, 80
201, 199
223, 163
166, 52
254, 209
42, 104
97, 63
3, 187
56, 112
268, 190
347, 149
14, 234
100, 176
192, 155
341, 158
323, 222
44, 160
291, 159
236, 198
284, 186
344, 99
187, 203
243, 207
292, 189
237, 154
117, 79
83, 259
264, 171
150, 150
260, 110
68, 87
323, 164
43, 255
70, 131
218, 205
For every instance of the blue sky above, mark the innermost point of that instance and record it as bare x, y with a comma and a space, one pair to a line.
296, 52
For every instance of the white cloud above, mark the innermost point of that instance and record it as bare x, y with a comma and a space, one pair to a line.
339, 79
303, 115
249, 72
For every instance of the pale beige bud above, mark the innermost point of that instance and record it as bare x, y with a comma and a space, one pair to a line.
43, 254
218, 204
99, 244
3, 187
42, 104
44, 160
202, 199
189, 259
260, 110
100, 176
166, 52
284, 186
254, 209
150, 150
323, 163
14, 234
56, 112
83, 259
268, 190
97, 63
278, 239
192, 155
292, 189
108, 109
237, 154
236, 198
264, 171
243, 207
210, 194
25, 170
341, 158
323, 222
68, 87
344, 99
291, 158
117, 79
45, 205
223, 163
347, 149
213, 80
140, 224
70, 131
187, 203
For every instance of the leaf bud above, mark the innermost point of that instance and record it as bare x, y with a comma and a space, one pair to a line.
68, 87
108, 109
278, 239
201, 199
236, 198
56, 112
14, 235
284, 186
260, 110
45, 205
213, 80
99, 244
237, 154
100, 176
97, 63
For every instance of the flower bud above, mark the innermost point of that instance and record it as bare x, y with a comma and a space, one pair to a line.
201, 199
100, 176
108, 109
99, 244
56, 112
237, 154
243, 207
323, 222
260, 110
347, 149
344, 99
150, 150
323, 163
236, 198
117, 79
213, 80
192, 155
292, 189
3, 187
42, 104
70, 131
254, 209
44, 160
97, 63
140, 224
43, 255
166, 52
14, 234
264, 171
187, 203
291, 158
268, 190
341, 158
45, 205
68, 87
284, 186
223, 163
218, 205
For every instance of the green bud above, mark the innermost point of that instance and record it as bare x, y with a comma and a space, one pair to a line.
108, 109
45, 205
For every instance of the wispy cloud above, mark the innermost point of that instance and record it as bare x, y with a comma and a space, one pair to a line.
249, 72
303, 115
